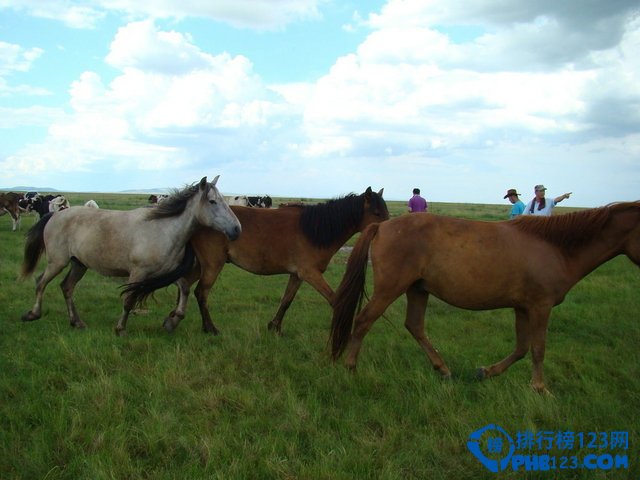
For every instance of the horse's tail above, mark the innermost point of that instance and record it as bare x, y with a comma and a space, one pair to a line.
139, 291
348, 297
34, 245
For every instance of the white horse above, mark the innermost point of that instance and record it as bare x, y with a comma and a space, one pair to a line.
146, 244
92, 204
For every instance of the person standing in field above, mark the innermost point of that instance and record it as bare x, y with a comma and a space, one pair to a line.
540, 205
417, 203
518, 206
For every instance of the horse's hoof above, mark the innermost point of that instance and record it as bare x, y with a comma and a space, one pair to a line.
482, 373
79, 325
445, 377
212, 330
542, 390
29, 317
120, 332
168, 325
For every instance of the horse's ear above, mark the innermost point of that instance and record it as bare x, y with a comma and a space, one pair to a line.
215, 180
203, 183
380, 192
367, 193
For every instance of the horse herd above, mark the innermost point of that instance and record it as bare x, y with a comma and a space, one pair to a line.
528, 264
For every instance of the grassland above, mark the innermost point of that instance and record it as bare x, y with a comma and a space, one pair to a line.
249, 404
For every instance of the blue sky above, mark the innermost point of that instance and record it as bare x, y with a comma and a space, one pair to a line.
319, 98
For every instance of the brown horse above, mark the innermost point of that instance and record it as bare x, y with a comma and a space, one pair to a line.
528, 264
298, 239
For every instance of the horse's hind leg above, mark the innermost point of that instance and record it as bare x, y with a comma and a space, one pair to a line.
127, 305
364, 321
42, 281
289, 294
76, 272
417, 300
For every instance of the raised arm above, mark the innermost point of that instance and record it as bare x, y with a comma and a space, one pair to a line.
562, 197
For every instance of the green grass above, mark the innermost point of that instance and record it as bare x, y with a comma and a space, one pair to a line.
249, 404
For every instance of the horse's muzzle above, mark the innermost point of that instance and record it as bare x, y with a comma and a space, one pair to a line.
233, 233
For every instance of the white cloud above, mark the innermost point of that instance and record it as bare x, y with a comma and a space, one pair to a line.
15, 58
442, 94
167, 94
65, 11
259, 14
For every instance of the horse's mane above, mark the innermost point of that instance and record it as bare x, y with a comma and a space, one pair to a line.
174, 204
571, 230
325, 223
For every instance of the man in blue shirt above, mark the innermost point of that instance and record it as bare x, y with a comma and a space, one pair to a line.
518, 206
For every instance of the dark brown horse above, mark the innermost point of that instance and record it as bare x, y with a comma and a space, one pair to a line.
299, 240
528, 264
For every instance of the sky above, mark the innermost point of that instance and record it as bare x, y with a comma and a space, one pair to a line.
463, 99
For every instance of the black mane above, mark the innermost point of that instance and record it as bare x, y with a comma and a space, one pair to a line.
174, 204
325, 223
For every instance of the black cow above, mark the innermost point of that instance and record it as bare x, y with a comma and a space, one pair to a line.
260, 202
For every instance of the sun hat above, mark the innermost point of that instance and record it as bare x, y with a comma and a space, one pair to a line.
512, 191
540, 187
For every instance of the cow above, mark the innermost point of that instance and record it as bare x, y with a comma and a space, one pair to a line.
238, 200
247, 201
41, 204
10, 203
260, 202
58, 203
155, 199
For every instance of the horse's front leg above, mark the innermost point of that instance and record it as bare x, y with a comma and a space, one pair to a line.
175, 317
211, 264
202, 295
531, 331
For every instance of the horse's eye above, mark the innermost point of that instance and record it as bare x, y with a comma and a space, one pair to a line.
213, 202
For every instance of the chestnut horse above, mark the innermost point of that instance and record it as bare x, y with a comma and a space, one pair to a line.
528, 264
298, 239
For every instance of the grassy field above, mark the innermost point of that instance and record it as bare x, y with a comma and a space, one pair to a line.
249, 404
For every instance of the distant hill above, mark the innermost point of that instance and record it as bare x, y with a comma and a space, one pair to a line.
147, 190
21, 188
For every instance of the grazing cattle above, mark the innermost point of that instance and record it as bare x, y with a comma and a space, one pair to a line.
155, 199
238, 201
10, 203
260, 202
39, 204
58, 203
